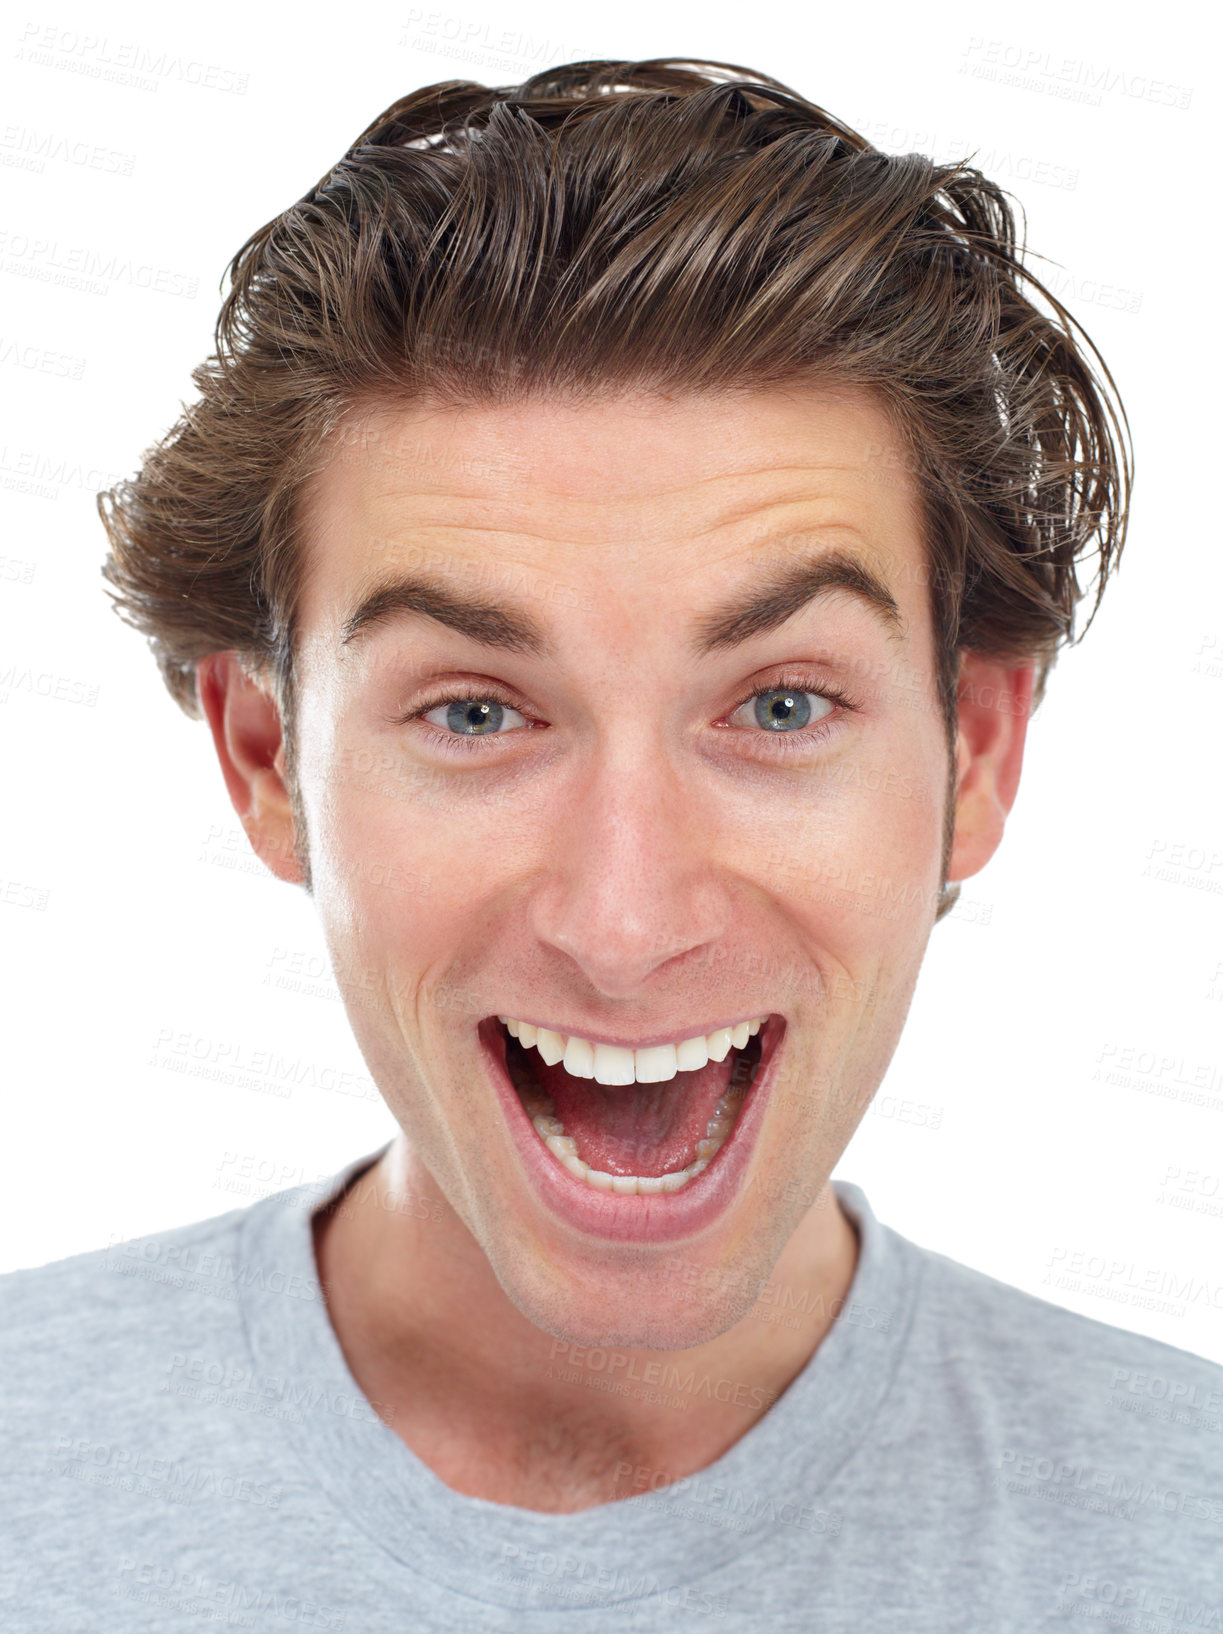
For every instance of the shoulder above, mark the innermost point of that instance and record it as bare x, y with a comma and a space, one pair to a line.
1032, 1337
117, 1303
132, 1419
1071, 1398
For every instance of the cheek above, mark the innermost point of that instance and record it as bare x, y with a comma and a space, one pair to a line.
401, 868
853, 855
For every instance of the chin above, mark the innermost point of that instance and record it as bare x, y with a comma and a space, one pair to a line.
675, 1302
641, 1324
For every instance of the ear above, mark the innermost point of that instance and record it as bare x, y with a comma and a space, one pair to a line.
246, 729
995, 702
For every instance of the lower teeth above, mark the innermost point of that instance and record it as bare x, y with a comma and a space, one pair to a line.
541, 1110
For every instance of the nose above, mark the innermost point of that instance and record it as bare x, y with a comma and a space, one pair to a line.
634, 880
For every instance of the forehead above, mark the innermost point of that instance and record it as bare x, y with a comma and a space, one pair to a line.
643, 489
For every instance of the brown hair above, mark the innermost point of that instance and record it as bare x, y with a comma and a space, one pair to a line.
660, 225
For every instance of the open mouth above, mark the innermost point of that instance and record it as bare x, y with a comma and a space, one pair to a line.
636, 1122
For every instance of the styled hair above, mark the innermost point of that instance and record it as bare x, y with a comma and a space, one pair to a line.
657, 226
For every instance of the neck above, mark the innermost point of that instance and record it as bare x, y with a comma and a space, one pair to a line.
501, 1410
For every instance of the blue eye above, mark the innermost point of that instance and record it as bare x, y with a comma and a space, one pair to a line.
472, 717
784, 709
456, 720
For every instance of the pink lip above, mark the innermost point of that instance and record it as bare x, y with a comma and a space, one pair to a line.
664, 1217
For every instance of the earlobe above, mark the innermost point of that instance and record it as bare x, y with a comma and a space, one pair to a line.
247, 733
995, 702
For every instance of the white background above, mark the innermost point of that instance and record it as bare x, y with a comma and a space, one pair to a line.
1039, 1119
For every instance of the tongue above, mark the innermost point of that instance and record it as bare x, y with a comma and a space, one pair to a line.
648, 1129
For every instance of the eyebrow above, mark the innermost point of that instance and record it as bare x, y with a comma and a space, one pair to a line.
789, 587
489, 622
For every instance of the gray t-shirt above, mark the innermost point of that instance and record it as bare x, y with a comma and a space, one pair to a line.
184, 1447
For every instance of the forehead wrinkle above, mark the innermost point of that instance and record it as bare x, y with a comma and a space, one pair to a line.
502, 623
416, 460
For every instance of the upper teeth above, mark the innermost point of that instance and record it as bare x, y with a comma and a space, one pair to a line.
613, 1064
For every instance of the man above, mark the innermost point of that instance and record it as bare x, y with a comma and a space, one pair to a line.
622, 536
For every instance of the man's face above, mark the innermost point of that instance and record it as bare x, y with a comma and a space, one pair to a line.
573, 813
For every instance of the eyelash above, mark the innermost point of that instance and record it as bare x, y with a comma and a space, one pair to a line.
466, 743
456, 741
